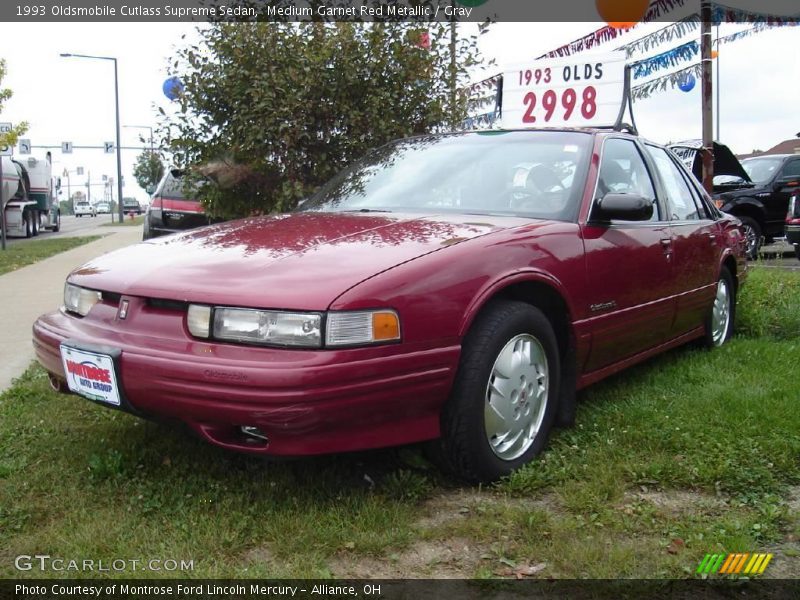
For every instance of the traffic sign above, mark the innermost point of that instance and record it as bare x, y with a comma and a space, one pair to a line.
108, 147
25, 146
66, 147
5, 150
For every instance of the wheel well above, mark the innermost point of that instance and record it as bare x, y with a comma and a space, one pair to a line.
747, 210
549, 301
730, 264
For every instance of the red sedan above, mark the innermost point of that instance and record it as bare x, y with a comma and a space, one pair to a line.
453, 288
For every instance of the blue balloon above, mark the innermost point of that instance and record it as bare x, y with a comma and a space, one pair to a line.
172, 88
686, 84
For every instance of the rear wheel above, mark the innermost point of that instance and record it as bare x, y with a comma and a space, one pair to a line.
57, 226
26, 219
719, 322
35, 223
504, 399
752, 234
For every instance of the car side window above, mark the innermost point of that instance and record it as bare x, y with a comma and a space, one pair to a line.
680, 200
623, 171
792, 169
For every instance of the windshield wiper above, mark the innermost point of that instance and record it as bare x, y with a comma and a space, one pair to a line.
366, 210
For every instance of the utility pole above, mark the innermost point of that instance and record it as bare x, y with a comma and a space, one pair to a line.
707, 94
453, 70
719, 136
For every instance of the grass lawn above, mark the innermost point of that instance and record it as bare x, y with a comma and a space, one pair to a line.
22, 254
690, 453
127, 222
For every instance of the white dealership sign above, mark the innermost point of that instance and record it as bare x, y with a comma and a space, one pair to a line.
581, 91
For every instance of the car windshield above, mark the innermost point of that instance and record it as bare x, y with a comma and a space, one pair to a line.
536, 174
761, 170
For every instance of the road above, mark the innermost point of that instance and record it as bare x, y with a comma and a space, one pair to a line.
779, 255
70, 227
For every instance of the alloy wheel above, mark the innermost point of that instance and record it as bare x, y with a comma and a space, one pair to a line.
516, 397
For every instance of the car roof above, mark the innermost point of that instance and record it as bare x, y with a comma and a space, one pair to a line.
771, 156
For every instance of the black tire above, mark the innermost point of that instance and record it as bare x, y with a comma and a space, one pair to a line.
57, 226
26, 218
797, 252
35, 223
712, 339
464, 448
752, 231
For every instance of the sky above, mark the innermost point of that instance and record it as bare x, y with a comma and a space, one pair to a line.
70, 99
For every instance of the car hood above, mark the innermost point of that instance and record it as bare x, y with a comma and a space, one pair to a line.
298, 261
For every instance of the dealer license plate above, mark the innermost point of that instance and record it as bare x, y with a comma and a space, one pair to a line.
90, 374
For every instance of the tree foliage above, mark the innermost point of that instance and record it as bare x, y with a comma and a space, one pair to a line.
148, 169
273, 110
9, 138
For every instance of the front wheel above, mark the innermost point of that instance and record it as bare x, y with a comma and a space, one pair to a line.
503, 402
797, 252
35, 223
752, 235
57, 226
719, 322
27, 220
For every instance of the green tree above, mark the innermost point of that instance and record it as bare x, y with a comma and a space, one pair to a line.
270, 111
148, 169
9, 138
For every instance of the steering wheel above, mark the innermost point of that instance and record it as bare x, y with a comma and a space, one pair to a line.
543, 179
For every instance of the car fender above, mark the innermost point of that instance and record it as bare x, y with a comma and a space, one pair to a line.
743, 201
495, 287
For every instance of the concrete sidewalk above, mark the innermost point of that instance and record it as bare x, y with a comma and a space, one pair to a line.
39, 288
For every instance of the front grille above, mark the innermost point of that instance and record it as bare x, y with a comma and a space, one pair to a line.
167, 304
111, 297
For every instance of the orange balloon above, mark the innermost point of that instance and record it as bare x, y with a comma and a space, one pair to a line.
622, 14
714, 54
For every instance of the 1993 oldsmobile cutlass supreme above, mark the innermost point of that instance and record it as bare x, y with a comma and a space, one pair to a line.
453, 288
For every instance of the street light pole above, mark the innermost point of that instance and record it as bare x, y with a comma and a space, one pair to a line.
150, 129
119, 152
116, 102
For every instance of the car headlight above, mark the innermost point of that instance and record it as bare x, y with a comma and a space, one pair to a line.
79, 300
252, 326
299, 329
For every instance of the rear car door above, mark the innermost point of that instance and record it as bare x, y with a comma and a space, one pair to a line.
696, 242
629, 264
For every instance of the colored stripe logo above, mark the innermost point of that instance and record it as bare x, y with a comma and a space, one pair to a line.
737, 563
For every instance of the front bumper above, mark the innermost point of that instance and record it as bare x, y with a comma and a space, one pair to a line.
305, 401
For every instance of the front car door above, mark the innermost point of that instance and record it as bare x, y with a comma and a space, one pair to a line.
696, 242
628, 264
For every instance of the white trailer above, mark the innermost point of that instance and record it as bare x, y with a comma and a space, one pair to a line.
30, 193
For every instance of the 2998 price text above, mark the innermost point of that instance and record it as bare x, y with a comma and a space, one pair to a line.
568, 102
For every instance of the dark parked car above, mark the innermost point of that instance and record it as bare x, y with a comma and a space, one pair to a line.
756, 190
173, 207
455, 289
131, 206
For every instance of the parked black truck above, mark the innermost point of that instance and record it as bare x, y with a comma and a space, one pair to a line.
756, 190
